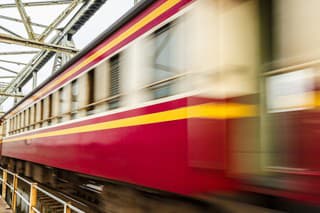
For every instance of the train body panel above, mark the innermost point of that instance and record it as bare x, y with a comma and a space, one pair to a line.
158, 146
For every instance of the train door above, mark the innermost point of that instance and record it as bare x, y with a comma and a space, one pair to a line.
289, 93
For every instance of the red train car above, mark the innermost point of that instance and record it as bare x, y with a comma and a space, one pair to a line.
166, 99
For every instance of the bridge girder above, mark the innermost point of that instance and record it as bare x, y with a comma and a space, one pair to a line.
82, 10
13, 36
38, 3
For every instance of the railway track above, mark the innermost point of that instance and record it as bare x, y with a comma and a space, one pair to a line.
25, 195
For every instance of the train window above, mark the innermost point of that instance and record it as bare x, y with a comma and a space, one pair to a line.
114, 84
7, 126
38, 114
162, 68
45, 111
10, 126
25, 123
74, 99
29, 118
25, 119
50, 105
101, 85
33, 116
6, 132
13, 125
60, 111
22, 121
90, 108
18, 122
4, 128
41, 113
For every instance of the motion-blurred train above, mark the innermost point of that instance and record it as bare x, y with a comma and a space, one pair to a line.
198, 98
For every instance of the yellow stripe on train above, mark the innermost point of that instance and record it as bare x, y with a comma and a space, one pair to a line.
209, 111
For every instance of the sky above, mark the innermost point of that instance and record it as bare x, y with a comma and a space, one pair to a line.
108, 14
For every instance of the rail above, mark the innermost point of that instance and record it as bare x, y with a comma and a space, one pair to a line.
34, 189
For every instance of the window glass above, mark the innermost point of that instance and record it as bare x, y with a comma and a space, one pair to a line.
41, 113
11, 126
90, 109
60, 105
29, 118
15, 124
19, 122
22, 121
49, 109
33, 116
163, 61
74, 98
25, 119
114, 88
4, 128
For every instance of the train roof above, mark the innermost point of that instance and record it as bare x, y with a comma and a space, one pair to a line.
133, 12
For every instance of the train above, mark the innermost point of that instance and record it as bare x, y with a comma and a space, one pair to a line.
194, 98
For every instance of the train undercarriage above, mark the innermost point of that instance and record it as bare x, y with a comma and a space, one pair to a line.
93, 194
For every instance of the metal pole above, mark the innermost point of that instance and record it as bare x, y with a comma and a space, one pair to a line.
4, 183
14, 193
33, 197
4, 38
25, 19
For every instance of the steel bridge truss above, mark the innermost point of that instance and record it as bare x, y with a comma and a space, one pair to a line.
60, 46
